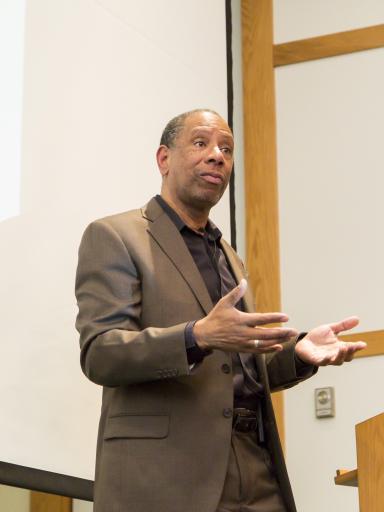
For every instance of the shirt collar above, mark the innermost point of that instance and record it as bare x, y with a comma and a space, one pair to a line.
210, 228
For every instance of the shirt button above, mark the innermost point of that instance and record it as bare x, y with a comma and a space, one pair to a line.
227, 412
226, 368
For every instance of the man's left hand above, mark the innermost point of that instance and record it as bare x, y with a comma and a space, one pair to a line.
321, 346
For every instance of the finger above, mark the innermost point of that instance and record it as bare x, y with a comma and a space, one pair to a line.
271, 333
233, 297
345, 325
269, 350
324, 362
353, 347
262, 346
341, 355
253, 319
274, 348
347, 351
349, 356
265, 342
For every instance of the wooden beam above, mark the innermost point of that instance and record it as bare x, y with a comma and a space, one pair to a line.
261, 199
347, 477
374, 339
329, 45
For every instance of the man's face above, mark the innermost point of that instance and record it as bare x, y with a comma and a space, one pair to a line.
197, 168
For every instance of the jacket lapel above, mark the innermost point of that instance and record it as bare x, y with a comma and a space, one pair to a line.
239, 273
168, 237
249, 306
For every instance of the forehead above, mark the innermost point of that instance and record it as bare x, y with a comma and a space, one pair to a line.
206, 121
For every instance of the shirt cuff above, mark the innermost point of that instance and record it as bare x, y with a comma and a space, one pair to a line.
194, 353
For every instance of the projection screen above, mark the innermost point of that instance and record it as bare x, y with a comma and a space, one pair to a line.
96, 80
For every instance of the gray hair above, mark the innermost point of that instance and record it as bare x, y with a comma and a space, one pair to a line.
175, 125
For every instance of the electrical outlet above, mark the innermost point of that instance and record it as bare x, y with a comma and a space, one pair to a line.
325, 402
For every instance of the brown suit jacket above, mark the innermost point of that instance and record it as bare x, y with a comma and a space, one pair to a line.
164, 434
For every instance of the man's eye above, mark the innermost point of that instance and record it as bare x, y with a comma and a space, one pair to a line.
199, 143
227, 150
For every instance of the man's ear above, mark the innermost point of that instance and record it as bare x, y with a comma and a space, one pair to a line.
162, 157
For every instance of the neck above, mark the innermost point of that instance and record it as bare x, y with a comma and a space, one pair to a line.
194, 218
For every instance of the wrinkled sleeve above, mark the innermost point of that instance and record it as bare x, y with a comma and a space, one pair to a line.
285, 369
115, 349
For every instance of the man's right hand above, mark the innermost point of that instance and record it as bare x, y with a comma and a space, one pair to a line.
226, 328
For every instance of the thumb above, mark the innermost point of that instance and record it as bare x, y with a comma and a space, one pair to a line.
233, 297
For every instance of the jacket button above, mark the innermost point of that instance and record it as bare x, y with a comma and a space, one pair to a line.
227, 412
226, 368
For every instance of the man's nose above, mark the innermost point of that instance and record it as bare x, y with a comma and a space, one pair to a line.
215, 155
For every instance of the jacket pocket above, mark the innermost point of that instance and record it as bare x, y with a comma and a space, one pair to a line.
130, 426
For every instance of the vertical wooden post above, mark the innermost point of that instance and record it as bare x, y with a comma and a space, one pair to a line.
262, 231
43, 502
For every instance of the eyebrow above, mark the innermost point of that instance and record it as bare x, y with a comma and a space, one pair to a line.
202, 129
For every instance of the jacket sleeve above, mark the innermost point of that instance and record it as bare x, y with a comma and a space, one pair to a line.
285, 369
115, 350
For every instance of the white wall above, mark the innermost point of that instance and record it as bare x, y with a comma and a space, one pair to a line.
82, 506
330, 162
13, 499
12, 14
299, 19
100, 80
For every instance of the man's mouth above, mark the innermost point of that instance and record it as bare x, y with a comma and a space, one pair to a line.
212, 177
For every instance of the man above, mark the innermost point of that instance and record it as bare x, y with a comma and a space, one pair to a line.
168, 328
